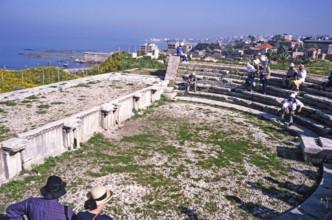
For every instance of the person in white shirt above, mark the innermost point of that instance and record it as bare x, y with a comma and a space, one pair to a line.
301, 75
289, 107
256, 62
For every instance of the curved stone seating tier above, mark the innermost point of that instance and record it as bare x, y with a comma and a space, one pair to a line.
312, 81
318, 205
255, 101
238, 90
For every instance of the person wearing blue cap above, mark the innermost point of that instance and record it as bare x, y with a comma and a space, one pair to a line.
265, 75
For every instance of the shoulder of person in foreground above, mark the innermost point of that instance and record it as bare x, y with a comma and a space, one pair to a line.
104, 217
19, 207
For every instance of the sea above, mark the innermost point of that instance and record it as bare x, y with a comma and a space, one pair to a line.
17, 53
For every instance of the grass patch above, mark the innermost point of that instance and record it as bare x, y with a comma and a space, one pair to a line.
43, 106
41, 112
8, 103
33, 97
82, 85
57, 103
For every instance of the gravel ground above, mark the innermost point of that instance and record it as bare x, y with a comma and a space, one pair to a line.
36, 111
193, 176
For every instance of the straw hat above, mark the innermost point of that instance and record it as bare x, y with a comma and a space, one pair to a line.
101, 195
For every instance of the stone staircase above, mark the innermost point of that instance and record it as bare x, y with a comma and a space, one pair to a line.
226, 84
223, 86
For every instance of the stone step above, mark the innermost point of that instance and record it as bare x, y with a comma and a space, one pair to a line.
318, 205
313, 80
242, 99
272, 97
275, 80
315, 149
322, 102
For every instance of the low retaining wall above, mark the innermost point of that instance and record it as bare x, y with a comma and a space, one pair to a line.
33, 147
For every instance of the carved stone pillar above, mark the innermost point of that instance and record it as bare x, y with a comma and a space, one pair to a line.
71, 134
13, 159
110, 116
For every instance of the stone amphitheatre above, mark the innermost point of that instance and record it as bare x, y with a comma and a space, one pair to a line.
218, 153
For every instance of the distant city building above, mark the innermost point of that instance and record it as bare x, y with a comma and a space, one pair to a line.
151, 50
262, 48
171, 45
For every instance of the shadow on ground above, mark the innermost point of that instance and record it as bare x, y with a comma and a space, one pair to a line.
190, 213
258, 211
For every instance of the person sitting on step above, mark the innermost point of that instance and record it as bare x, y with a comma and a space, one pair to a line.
192, 82
301, 75
180, 53
95, 204
47, 207
328, 83
265, 75
290, 76
289, 107
251, 76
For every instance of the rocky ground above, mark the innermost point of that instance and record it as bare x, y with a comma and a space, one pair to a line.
18, 116
183, 161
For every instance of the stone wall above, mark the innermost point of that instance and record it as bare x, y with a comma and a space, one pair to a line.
33, 147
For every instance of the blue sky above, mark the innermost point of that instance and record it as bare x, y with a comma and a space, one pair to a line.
137, 19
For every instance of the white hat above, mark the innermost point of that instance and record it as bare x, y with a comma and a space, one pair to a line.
101, 195
291, 65
181, 43
292, 95
194, 73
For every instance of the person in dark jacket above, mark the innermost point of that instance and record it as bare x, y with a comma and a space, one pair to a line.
44, 208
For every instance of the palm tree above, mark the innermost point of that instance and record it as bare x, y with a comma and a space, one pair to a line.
283, 58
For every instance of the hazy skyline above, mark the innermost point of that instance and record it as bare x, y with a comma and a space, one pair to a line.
174, 19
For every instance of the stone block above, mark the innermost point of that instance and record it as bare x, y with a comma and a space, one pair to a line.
172, 68
326, 181
318, 205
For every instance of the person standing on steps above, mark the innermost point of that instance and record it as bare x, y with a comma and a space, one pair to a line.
44, 208
290, 107
180, 53
95, 204
192, 81
251, 76
290, 76
265, 75
256, 62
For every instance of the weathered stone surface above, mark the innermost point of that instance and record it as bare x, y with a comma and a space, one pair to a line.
172, 69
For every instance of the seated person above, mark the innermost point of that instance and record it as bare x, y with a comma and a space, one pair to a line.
95, 204
47, 207
192, 82
301, 75
180, 53
251, 76
290, 76
289, 107
328, 83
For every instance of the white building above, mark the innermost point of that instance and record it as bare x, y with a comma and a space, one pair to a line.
150, 50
